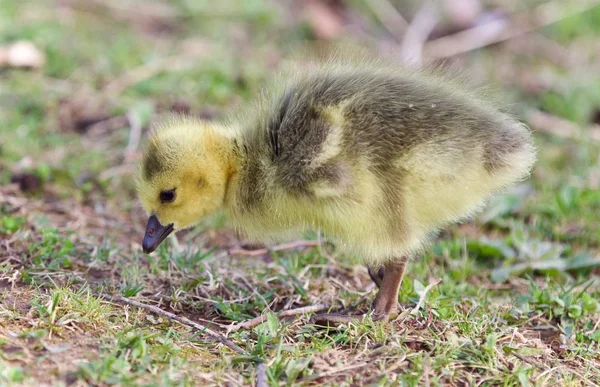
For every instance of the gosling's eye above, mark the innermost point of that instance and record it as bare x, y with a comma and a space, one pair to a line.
167, 196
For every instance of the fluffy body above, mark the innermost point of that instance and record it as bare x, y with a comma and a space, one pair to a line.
376, 158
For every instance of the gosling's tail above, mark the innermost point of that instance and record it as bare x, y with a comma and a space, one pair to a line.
511, 153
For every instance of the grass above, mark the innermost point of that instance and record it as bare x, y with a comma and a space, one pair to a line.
518, 299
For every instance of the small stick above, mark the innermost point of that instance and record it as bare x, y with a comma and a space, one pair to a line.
284, 246
171, 316
115, 171
295, 244
338, 370
286, 313
149, 70
594, 329
389, 16
261, 375
547, 123
529, 361
423, 296
135, 134
500, 30
247, 253
411, 48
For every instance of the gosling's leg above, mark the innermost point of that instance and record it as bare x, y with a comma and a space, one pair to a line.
385, 305
376, 275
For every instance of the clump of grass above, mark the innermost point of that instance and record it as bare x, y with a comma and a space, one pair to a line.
11, 224
63, 307
11, 374
134, 353
564, 306
53, 250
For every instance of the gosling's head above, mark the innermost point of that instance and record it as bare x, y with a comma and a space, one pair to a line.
182, 176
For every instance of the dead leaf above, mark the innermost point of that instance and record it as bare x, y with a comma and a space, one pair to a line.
22, 54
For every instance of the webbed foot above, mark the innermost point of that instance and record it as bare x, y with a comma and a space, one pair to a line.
385, 306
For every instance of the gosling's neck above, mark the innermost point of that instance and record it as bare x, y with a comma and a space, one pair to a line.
232, 155
246, 177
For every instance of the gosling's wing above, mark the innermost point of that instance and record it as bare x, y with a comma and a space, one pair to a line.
305, 140
323, 123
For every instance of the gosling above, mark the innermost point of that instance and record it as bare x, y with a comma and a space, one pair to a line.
376, 158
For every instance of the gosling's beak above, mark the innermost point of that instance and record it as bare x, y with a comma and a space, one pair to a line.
155, 233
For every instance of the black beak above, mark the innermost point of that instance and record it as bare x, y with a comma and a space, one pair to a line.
155, 234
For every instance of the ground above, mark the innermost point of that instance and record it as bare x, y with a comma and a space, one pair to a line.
510, 297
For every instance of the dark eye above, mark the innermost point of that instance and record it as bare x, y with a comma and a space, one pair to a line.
167, 196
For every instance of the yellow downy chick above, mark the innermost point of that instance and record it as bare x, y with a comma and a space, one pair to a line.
377, 158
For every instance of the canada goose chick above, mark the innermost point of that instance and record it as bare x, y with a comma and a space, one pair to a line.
376, 159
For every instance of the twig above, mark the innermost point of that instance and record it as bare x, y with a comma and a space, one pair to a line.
135, 134
548, 371
266, 250
389, 16
295, 244
423, 296
388, 371
500, 30
547, 123
529, 361
593, 329
583, 378
148, 70
247, 253
109, 124
338, 370
261, 375
411, 48
154, 10
183, 320
118, 170
286, 313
